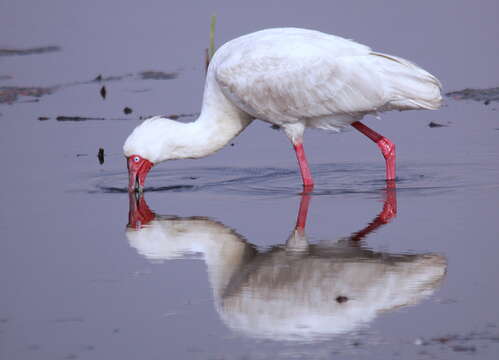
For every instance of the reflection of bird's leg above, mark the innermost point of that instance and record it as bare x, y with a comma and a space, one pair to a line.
298, 239
138, 213
385, 216
386, 146
301, 220
390, 206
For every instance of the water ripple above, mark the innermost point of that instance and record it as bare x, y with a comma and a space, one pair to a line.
331, 180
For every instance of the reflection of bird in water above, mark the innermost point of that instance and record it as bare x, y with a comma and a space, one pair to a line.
296, 291
294, 79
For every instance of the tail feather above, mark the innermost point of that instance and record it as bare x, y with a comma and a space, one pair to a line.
408, 86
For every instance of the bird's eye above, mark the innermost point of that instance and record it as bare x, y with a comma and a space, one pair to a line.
136, 159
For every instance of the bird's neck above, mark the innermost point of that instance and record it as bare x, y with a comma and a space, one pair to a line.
218, 123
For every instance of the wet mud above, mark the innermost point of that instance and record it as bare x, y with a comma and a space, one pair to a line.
12, 94
470, 342
141, 75
483, 95
157, 75
31, 51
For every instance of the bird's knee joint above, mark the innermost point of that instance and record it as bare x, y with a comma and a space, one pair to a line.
387, 147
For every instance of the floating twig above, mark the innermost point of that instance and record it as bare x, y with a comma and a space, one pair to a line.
103, 91
100, 156
77, 118
36, 50
433, 124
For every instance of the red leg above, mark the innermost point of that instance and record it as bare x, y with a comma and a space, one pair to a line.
386, 146
308, 182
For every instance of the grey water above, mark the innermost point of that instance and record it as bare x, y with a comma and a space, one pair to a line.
211, 262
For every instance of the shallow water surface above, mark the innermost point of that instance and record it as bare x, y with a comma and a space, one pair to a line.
224, 257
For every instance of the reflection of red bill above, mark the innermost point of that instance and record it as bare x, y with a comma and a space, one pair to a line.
139, 213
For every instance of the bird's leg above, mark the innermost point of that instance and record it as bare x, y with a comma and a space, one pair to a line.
386, 146
308, 182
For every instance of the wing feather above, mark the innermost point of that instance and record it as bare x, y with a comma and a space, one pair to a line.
284, 79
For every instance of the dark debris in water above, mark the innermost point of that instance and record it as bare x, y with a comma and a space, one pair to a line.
143, 75
100, 78
10, 94
66, 118
157, 75
461, 348
36, 50
127, 111
77, 118
434, 124
468, 343
178, 116
341, 299
483, 95
100, 155
171, 116
103, 92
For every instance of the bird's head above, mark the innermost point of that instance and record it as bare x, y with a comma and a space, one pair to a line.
142, 150
159, 139
138, 167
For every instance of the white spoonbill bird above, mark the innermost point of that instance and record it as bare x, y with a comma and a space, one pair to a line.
293, 78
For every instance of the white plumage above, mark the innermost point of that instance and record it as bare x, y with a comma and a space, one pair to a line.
294, 78
286, 76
